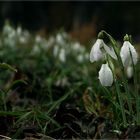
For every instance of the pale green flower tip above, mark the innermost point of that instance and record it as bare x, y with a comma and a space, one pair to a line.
126, 38
100, 35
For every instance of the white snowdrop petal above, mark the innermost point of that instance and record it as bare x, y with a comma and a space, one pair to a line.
62, 55
125, 54
129, 71
105, 75
96, 53
110, 51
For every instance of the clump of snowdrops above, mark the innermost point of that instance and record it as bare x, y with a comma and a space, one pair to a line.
126, 105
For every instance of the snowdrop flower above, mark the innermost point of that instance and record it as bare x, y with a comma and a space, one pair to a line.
22, 39
126, 56
129, 71
110, 51
36, 49
76, 46
51, 41
60, 39
80, 58
19, 30
97, 53
105, 75
7, 29
38, 39
55, 50
62, 55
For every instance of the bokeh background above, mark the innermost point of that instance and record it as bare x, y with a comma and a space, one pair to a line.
81, 19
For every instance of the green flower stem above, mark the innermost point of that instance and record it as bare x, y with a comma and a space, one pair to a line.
136, 92
120, 102
123, 72
118, 93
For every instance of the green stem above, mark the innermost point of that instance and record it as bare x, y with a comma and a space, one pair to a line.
118, 94
136, 91
121, 103
125, 83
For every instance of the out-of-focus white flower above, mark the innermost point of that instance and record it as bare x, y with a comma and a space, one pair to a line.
129, 71
105, 75
126, 56
38, 39
86, 55
97, 53
7, 29
76, 46
19, 30
22, 39
41, 42
35, 50
55, 50
59, 39
80, 58
51, 41
62, 55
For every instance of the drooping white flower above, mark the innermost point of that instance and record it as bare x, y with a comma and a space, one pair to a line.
19, 30
97, 53
105, 75
62, 55
126, 56
129, 71
80, 58
56, 50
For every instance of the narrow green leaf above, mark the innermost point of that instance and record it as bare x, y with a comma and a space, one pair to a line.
7, 66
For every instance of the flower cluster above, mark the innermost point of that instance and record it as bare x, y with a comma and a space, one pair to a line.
59, 45
100, 51
64, 47
12, 37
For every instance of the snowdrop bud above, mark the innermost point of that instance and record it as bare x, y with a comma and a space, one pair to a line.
129, 72
55, 50
96, 53
105, 75
126, 56
62, 55
19, 30
38, 39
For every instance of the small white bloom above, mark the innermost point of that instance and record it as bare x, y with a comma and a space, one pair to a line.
22, 39
76, 46
19, 30
105, 75
38, 39
60, 39
129, 71
62, 55
8, 29
55, 50
96, 53
80, 58
126, 56
36, 49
